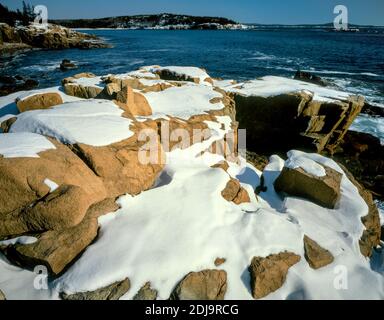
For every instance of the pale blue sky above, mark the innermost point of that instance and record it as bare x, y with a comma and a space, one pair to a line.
259, 11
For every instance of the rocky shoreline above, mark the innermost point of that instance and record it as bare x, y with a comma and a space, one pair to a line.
164, 21
146, 166
14, 40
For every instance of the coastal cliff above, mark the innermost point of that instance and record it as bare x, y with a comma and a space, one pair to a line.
34, 36
144, 167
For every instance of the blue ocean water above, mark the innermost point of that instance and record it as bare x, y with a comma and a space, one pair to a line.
350, 61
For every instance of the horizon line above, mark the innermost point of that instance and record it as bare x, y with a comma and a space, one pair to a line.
210, 16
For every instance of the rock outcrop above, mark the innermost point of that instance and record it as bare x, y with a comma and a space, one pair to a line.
53, 37
6, 125
146, 293
10, 84
269, 274
282, 114
203, 285
191, 74
133, 102
66, 65
316, 256
119, 165
309, 77
2, 296
39, 101
77, 76
56, 249
219, 261
324, 191
235, 192
112, 292
363, 155
80, 91
73, 86
370, 238
55, 190
28, 205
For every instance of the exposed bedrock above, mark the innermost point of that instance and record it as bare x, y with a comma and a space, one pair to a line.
295, 120
203, 285
372, 233
269, 274
54, 37
112, 292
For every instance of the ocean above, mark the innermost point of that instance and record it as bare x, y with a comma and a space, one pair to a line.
352, 62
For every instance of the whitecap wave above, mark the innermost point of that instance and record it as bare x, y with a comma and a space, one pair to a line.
369, 74
372, 125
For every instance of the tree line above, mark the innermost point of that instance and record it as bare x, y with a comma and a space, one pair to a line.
23, 16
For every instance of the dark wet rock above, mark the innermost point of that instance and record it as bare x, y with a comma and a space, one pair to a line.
309, 77
259, 161
67, 65
372, 110
295, 121
10, 84
363, 155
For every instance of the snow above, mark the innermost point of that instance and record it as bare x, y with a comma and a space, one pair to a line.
183, 102
96, 82
137, 74
152, 82
223, 83
51, 184
8, 106
18, 240
269, 86
19, 284
158, 238
308, 165
23, 144
92, 122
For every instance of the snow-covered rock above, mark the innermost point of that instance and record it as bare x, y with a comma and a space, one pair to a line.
304, 177
165, 220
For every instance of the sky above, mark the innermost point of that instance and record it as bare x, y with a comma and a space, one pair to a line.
368, 12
